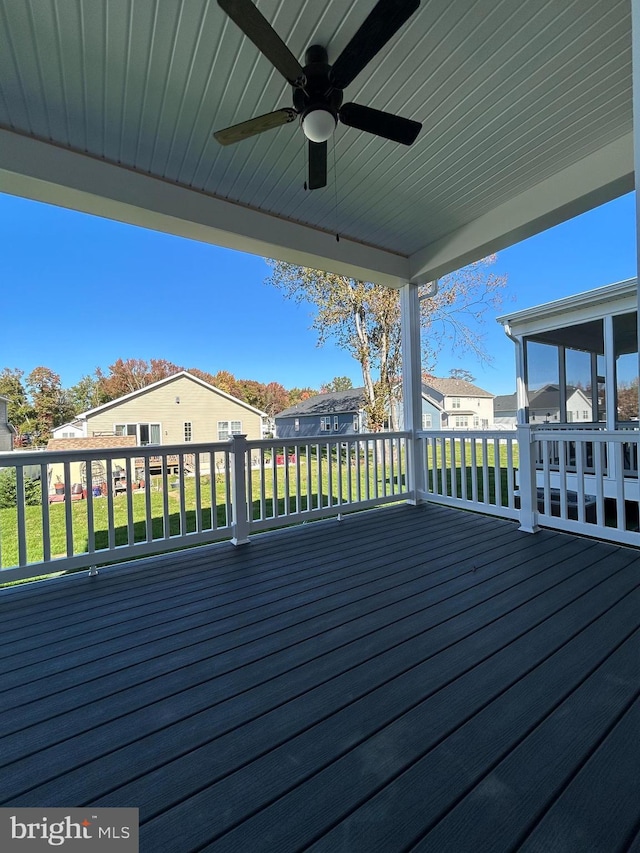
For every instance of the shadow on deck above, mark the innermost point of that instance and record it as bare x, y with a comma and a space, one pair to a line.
409, 678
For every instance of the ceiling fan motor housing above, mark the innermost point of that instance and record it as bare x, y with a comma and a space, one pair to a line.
316, 93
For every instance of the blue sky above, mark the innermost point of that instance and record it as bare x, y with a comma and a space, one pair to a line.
78, 292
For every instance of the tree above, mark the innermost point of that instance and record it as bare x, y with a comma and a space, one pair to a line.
364, 319
251, 391
19, 410
338, 383
628, 401
50, 402
455, 315
132, 374
297, 395
275, 398
360, 317
85, 394
461, 373
9, 490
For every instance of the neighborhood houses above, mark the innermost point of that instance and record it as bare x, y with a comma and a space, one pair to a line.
446, 404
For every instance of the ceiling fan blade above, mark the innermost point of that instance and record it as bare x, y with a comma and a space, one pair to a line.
317, 165
383, 22
395, 128
238, 132
256, 27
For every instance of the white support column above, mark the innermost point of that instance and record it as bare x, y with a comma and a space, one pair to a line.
527, 481
635, 65
412, 386
240, 523
610, 397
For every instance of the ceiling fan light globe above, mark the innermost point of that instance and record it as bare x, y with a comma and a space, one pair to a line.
318, 125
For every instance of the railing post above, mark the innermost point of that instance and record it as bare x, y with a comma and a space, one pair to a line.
240, 523
527, 476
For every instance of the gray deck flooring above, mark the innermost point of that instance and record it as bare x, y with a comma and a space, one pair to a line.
406, 679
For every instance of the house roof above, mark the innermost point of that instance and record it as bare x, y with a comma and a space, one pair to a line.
547, 397
74, 423
588, 300
179, 375
333, 403
505, 403
455, 387
96, 442
437, 404
526, 112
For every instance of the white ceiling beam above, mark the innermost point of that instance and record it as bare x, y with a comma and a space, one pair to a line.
588, 183
48, 173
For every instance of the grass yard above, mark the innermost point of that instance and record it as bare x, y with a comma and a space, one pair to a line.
483, 466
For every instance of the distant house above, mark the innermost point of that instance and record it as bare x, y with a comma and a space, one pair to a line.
432, 411
544, 406
74, 429
505, 410
6, 430
178, 409
464, 405
336, 413
343, 413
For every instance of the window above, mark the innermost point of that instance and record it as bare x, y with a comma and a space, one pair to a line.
461, 421
144, 433
187, 430
476, 421
228, 428
325, 424
126, 429
585, 415
455, 402
356, 423
426, 421
296, 424
335, 423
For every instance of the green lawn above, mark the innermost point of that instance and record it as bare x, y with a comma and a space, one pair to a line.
434, 481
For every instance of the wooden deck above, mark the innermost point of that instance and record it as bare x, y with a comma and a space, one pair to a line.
406, 679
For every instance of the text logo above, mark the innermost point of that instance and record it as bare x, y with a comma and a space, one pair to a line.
103, 830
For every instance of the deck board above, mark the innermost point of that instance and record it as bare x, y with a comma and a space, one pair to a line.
403, 677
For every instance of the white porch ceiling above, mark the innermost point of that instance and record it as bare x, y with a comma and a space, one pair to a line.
108, 106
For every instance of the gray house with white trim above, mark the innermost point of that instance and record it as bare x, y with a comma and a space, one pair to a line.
335, 413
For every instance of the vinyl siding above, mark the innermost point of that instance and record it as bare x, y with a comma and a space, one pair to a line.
202, 407
310, 426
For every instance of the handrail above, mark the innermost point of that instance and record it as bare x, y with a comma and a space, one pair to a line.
191, 494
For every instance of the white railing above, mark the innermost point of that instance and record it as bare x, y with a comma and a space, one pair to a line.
586, 481
474, 470
581, 480
324, 476
126, 502
123, 503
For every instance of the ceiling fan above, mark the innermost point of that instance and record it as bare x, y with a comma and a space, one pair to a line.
318, 86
